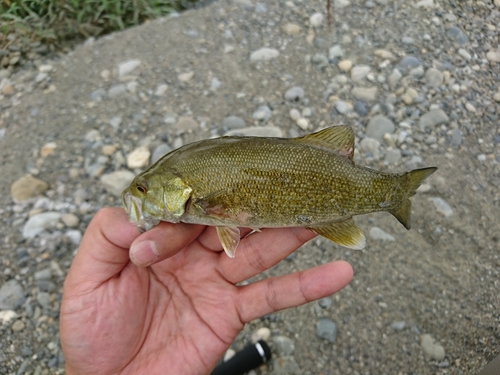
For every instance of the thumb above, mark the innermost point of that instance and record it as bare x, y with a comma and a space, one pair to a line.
103, 252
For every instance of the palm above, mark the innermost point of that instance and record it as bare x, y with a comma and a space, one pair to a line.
180, 315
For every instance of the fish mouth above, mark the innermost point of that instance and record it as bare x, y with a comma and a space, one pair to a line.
133, 206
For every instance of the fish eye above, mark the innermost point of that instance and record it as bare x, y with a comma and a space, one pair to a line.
142, 189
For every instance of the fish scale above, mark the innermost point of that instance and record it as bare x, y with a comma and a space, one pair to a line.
316, 180
256, 182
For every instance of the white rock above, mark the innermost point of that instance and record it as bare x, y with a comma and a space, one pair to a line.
229, 354
139, 158
257, 131
45, 68
161, 89
339, 4
431, 347
127, 67
303, 123
441, 206
38, 223
185, 77
7, 315
294, 114
116, 182
425, 4
75, 236
368, 94
264, 54
261, 334
493, 56
359, 73
345, 65
70, 220
378, 234
316, 20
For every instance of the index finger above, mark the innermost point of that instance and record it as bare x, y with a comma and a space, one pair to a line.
260, 251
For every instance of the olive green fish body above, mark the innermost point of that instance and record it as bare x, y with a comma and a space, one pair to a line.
270, 182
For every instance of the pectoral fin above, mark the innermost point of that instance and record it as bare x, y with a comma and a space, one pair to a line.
345, 233
229, 238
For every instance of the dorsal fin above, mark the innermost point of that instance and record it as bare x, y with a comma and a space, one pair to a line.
339, 139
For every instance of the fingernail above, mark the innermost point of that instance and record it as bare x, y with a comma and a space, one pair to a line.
144, 253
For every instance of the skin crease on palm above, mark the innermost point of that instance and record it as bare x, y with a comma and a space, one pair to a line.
180, 314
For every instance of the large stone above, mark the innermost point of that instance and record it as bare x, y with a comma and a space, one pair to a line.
139, 158
286, 366
284, 345
433, 77
368, 94
493, 56
359, 73
116, 182
160, 150
432, 348
186, 124
378, 126
27, 187
38, 223
455, 33
433, 118
11, 293
441, 206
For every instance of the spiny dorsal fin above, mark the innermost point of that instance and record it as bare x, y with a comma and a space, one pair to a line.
339, 139
345, 233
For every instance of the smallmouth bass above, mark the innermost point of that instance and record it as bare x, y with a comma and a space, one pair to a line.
257, 182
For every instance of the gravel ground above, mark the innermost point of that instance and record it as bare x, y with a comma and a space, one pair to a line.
419, 83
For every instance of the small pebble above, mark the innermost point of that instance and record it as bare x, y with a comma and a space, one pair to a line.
261, 334
117, 181
263, 113
303, 123
27, 187
284, 345
127, 67
345, 65
18, 326
185, 77
294, 94
294, 114
432, 348
139, 158
326, 329
316, 20
264, 54
70, 220
378, 234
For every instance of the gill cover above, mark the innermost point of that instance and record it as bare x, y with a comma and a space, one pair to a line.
176, 196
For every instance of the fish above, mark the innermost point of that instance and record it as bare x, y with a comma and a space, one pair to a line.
261, 182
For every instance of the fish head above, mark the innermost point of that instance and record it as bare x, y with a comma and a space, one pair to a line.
151, 198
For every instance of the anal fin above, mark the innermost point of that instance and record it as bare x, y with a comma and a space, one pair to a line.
229, 238
345, 233
403, 213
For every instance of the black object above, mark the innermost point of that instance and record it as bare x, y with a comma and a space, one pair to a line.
249, 358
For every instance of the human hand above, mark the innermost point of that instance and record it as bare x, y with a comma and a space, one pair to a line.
179, 315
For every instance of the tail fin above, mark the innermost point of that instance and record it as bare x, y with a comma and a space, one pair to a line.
414, 179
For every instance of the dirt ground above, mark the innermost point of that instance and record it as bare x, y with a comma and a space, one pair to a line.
440, 278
